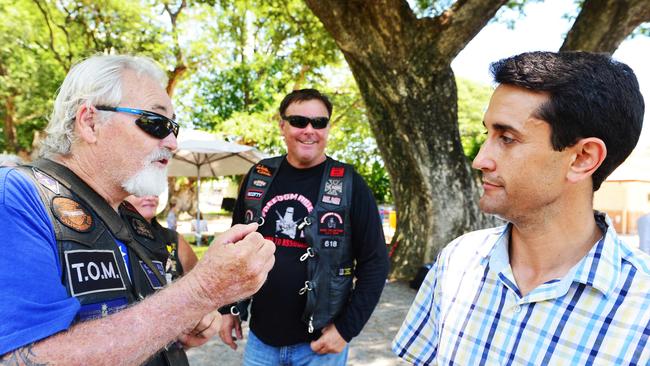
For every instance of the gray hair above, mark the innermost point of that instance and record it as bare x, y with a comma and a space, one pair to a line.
10, 160
96, 80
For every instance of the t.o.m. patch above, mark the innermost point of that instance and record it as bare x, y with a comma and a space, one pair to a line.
141, 228
330, 223
72, 214
91, 271
153, 280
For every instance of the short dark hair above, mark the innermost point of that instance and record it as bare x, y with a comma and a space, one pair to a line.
303, 95
590, 95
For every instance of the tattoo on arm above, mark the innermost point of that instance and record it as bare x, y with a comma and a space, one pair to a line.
22, 356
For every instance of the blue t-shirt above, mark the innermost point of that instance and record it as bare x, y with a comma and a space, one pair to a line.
34, 304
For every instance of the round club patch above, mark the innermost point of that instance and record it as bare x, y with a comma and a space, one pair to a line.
72, 214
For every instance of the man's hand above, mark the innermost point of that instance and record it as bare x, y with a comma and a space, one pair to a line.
205, 329
329, 342
228, 324
230, 272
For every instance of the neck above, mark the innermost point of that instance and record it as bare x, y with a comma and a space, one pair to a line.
547, 246
300, 165
95, 176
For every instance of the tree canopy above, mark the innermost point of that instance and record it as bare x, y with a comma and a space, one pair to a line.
399, 112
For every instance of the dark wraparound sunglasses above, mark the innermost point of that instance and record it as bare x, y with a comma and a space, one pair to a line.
152, 123
317, 123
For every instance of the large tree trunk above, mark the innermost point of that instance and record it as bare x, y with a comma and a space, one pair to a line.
403, 68
602, 25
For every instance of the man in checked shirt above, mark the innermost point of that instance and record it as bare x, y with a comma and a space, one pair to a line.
555, 285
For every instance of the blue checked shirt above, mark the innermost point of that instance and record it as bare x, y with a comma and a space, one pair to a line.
470, 312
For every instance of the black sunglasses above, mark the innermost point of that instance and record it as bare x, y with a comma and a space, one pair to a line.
152, 123
302, 122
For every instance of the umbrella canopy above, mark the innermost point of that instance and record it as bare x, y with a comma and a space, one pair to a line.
202, 154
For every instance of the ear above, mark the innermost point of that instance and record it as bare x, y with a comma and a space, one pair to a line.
84, 123
590, 153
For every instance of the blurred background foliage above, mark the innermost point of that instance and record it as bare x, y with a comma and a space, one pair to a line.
230, 62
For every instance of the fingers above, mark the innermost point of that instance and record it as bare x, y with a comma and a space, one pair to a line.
238, 330
318, 346
236, 233
225, 332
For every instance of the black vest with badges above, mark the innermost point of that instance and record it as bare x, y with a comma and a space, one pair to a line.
93, 268
329, 272
173, 266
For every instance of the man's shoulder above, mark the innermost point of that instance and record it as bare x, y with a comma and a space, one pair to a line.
14, 185
638, 259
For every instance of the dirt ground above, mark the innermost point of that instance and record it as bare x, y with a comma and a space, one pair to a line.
370, 348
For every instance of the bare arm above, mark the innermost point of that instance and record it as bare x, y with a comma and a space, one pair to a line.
186, 254
227, 273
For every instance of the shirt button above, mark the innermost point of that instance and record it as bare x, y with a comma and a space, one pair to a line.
517, 309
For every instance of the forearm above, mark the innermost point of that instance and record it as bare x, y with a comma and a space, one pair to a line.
187, 256
128, 337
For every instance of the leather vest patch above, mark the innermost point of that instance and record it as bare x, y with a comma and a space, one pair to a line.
264, 170
101, 309
153, 280
46, 181
72, 214
141, 228
91, 271
331, 223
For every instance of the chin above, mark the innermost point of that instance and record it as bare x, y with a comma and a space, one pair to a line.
150, 181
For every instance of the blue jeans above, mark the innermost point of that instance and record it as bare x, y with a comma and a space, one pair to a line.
258, 353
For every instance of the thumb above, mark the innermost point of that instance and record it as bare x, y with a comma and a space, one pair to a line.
236, 233
316, 345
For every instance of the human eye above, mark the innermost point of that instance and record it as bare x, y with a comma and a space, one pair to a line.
506, 139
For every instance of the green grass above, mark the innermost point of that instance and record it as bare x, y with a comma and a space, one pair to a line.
191, 239
199, 250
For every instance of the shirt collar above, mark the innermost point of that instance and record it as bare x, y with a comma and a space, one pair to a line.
600, 268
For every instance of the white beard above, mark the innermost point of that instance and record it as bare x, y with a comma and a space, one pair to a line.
150, 180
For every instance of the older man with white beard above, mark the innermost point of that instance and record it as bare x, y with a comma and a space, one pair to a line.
81, 273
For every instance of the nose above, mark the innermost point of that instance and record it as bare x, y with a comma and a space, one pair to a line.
483, 161
170, 142
308, 129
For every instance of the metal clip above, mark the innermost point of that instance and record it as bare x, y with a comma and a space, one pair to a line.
305, 221
308, 254
306, 288
310, 326
234, 310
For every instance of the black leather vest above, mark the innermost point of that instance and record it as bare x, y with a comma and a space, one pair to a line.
173, 268
93, 268
327, 229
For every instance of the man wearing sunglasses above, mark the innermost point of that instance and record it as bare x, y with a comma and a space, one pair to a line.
324, 221
81, 274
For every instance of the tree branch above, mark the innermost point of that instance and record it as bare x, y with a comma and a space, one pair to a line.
602, 25
57, 56
457, 26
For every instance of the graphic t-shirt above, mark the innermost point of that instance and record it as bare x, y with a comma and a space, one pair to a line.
278, 307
